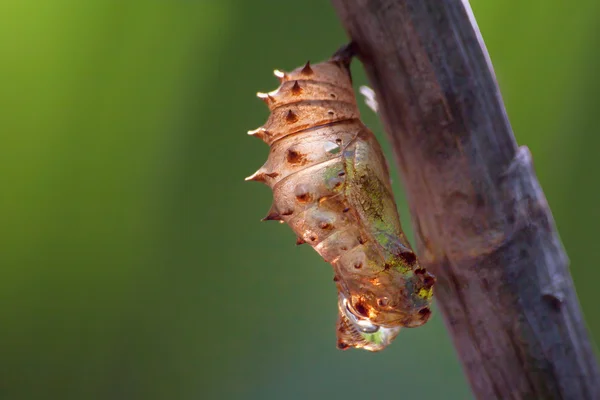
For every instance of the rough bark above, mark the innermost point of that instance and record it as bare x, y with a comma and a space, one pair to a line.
481, 220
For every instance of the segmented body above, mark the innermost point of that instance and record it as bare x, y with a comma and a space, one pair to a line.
331, 186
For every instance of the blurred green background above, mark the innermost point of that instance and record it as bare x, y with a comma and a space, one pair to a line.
132, 261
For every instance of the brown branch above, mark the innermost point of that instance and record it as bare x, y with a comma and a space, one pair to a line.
482, 223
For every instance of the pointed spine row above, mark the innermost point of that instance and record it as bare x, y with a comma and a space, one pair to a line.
326, 82
291, 117
270, 101
303, 87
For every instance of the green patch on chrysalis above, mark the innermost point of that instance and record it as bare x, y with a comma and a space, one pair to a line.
375, 338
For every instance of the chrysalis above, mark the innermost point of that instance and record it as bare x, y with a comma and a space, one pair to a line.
331, 185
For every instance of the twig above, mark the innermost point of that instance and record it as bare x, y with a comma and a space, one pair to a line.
481, 220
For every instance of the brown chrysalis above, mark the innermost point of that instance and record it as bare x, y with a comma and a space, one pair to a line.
331, 185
